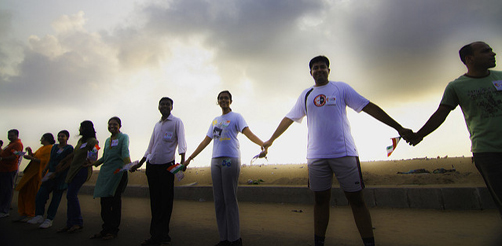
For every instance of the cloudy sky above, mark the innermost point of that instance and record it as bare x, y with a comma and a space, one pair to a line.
62, 62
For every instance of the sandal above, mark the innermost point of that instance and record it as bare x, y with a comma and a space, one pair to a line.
97, 236
109, 236
75, 228
64, 229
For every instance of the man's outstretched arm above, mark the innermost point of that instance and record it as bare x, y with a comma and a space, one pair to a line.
378, 113
432, 124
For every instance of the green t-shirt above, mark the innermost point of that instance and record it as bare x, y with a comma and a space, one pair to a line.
481, 102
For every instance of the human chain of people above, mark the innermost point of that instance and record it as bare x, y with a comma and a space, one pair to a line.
331, 152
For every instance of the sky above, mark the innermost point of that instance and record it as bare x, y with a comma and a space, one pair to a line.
63, 62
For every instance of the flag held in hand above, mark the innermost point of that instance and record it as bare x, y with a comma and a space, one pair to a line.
391, 148
175, 168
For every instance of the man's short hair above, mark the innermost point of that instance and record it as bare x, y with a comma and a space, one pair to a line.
15, 131
318, 59
466, 50
166, 98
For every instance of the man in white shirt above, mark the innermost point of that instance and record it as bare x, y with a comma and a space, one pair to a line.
168, 134
331, 148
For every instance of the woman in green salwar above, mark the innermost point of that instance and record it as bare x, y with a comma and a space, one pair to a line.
111, 184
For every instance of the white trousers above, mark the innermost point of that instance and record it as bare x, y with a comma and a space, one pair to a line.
225, 175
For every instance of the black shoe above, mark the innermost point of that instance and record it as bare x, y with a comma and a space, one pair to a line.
165, 242
223, 243
237, 242
150, 242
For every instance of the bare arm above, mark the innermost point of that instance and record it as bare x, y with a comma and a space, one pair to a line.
432, 124
378, 113
135, 167
250, 135
283, 126
199, 149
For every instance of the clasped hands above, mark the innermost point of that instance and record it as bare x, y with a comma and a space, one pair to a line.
412, 138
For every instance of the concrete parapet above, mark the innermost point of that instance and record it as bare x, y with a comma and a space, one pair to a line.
425, 198
466, 198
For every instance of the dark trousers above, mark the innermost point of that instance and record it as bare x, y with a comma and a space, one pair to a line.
73, 212
111, 208
6, 190
490, 167
48, 187
161, 187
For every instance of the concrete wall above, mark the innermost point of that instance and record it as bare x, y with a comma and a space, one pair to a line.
415, 197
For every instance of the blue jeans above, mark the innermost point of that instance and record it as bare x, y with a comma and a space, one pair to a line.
6, 190
490, 167
73, 213
43, 195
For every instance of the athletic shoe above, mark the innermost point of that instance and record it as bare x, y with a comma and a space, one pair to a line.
3, 215
20, 219
47, 223
36, 220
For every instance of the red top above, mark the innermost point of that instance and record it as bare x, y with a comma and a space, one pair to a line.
10, 165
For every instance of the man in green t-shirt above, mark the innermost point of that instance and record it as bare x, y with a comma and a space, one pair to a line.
479, 94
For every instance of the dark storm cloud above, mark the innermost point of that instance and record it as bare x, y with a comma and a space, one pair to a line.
390, 41
258, 38
239, 27
402, 43
67, 78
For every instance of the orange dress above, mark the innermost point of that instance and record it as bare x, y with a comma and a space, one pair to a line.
31, 180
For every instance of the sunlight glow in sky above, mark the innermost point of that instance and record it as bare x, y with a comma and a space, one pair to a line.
62, 62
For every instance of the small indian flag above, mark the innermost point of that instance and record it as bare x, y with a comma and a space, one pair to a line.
391, 148
175, 168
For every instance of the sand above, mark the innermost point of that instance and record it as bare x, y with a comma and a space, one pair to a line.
375, 174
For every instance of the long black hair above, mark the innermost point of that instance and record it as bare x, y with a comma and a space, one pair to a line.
87, 130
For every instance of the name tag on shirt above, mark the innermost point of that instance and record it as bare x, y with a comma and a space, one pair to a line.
83, 145
60, 151
114, 142
497, 84
168, 136
331, 101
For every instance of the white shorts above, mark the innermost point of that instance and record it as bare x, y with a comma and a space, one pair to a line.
346, 169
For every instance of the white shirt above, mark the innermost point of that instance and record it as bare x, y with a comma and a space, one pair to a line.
224, 130
166, 136
329, 133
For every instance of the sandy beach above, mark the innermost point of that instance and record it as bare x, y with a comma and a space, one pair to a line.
375, 173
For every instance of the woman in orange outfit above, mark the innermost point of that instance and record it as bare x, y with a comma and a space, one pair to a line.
32, 176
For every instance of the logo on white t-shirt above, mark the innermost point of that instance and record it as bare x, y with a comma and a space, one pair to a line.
320, 100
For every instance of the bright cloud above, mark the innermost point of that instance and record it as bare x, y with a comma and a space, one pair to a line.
76, 61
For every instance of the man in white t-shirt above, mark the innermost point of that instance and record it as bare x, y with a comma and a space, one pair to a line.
331, 148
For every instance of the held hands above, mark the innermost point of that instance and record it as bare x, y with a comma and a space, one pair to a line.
410, 137
135, 167
186, 163
417, 138
267, 144
87, 163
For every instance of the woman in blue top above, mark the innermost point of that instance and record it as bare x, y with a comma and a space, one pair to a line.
225, 167
55, 183
111, 185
